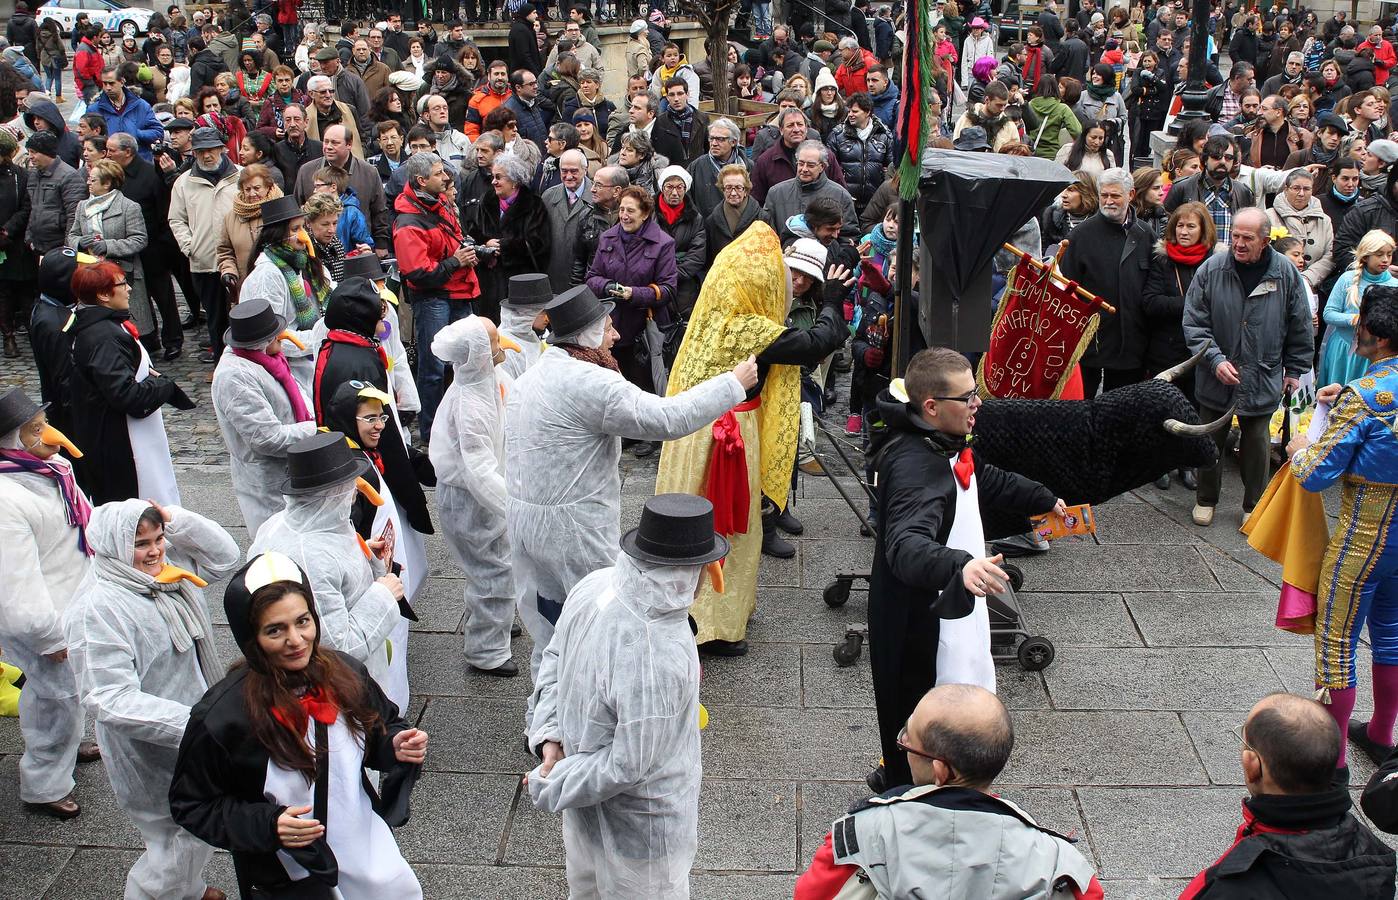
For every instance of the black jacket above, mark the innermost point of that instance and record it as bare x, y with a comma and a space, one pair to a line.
664, 138
1368, 214
216, 792
14, 217
864, 162
205, 66
1112, 261
53, 355
1071, 58
698, 136
1162, 308
1243, 46
1380, 798
145, 187
102, 392
916, 577
1301, 846
594, 222
1053, 29
806, 347
523, 51
524, 236
691, 253
290, 159
458, 98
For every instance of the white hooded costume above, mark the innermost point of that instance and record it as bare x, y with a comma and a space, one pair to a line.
43, 563
468, 454
564, 421
143, 654
258, 426
518, 323
357, 614
619, 690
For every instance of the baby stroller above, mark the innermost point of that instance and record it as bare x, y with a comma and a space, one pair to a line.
1009, 637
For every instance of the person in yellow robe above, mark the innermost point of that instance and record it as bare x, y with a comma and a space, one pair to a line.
743, 463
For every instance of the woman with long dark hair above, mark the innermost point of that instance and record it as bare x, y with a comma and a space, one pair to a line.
272, 766
286, 275
1088, 153
388, 106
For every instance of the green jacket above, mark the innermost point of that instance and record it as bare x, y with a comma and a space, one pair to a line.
1054, 115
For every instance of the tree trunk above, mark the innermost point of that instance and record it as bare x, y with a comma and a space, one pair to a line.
714, 17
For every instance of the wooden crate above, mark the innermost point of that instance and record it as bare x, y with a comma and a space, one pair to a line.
752, 114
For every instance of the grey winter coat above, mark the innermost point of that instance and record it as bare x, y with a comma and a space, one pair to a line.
1267, 335
791, 198
564, 223
54, 195
123, 239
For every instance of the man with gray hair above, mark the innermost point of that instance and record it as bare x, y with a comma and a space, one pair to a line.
790, 198
566, 203
326, 111
601, 214
778, 162
1111, 259
725, 149
1247, 311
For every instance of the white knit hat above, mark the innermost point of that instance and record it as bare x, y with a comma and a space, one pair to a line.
807, 255
674, 172
824, 79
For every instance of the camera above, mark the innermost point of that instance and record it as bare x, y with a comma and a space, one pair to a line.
482, 250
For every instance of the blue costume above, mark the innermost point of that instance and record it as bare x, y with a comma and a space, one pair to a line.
1359, 572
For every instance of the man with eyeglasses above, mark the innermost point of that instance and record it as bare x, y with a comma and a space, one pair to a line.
946, 834
326, 111
725, 149
928, 622
567, 207
601, 214
1214, 187
1297, 828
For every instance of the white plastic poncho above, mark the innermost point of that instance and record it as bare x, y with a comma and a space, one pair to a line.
564, 421
357, 614
140, 687
267, 282
619, 689
43, 566
519, 325
468, 454
258, 427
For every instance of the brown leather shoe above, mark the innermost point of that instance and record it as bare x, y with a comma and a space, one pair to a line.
67, 808
213, 893
88, 751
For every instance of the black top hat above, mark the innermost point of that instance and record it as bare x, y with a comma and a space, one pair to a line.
279, 209
320, 461
251, 324
532, 290
364, 265
574, 310
16, 408
676, 530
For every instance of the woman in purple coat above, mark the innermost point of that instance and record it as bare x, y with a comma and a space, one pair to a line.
635, 268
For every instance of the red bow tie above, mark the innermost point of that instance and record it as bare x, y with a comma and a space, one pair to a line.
964, 468
315, 704
130, 328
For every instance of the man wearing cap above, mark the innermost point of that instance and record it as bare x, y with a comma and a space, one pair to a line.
55, 190
566, 203
44, 555
790, 198
177, 156
1323, 151
563, 424
49, 320
349, 87
199, 200
638, 51
617, 712
260, 408
357, 596
818, 60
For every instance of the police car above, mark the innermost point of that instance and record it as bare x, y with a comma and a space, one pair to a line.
114, 15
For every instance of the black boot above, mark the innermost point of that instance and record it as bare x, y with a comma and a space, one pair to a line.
724, 648
788, 522
11, 347
1189, 478
773, 544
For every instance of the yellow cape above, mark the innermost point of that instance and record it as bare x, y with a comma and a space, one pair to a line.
741, 310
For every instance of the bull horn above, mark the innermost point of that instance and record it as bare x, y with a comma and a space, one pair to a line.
1183, 429
1174, 372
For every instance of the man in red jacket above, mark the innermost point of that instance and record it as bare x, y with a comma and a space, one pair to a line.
87, 68
1384, 57
1297, 828
438, 268
851, 76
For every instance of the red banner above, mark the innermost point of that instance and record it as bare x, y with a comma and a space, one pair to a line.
1039, 332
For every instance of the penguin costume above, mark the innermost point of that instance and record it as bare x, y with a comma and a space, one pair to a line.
229, 789
49, 322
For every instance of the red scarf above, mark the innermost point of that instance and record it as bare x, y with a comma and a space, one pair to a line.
1192, 255
315, 704
671, 213
130, 328
1033, 68
340, 336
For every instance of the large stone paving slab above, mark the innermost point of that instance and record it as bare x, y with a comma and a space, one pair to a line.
1193, 678
1159, 832
1134, 748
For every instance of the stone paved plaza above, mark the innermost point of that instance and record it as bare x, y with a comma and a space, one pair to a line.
1164, 640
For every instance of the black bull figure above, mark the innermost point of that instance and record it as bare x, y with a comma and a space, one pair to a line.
1089, 451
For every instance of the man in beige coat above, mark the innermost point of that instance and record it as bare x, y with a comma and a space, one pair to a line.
199, 200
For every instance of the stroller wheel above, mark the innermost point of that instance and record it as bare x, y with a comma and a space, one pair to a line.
848, 650
836, 594
1015, 573
1036, 653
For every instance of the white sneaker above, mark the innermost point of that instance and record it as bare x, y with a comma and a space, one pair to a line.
1203, 515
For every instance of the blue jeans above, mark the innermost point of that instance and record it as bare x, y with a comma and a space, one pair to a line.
431, 315
53, 80
762, 18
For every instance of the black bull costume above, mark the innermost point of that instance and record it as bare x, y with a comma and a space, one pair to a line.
1089, 451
